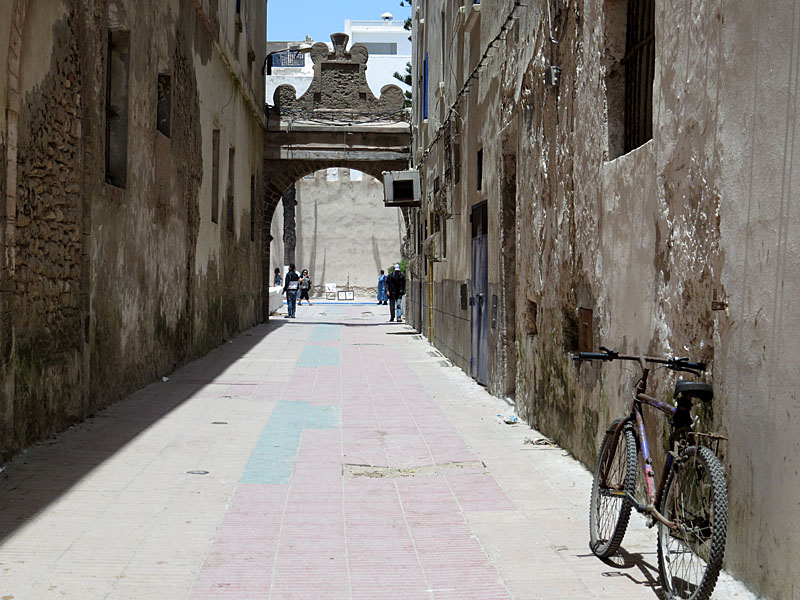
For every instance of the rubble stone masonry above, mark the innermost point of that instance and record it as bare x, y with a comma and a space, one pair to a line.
107, 286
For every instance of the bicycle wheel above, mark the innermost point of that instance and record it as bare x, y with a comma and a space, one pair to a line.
696, 499
615, 472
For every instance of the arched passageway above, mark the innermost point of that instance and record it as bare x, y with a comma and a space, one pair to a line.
334, 223
337, 122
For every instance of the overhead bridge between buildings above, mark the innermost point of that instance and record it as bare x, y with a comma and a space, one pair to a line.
337, 122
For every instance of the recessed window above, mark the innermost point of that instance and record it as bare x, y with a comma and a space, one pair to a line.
164, 108
287, 58
252, 208
215, 176
117, 76
381, 47
585, 330
231, 187
479, 169
630, 46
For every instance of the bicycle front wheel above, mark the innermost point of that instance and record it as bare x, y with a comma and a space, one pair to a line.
696, 500
614, 475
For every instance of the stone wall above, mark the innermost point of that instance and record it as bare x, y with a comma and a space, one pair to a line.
108, 286
47, 308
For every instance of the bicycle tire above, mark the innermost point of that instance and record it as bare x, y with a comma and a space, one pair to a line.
696, 497
609, 515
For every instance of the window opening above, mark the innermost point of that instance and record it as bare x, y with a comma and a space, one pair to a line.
639, 68
215, 176
252, 208
381, 47
164, 110
425, 88
480, 169
117, 77
231, 186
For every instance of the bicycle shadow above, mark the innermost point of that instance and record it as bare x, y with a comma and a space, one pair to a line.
626, 560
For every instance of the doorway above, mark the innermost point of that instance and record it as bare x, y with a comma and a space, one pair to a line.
479, 325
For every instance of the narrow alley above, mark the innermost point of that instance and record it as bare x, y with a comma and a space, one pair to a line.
353, 463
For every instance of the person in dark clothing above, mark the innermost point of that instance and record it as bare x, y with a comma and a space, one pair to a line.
305, 287
290, 287
396, 289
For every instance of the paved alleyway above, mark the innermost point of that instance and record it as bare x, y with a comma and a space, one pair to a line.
334, 456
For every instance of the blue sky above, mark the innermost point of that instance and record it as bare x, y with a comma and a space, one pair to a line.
292, 20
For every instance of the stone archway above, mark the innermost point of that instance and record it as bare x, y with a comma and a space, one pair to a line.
337, 122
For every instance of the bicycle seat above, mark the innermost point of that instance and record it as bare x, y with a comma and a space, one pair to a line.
694, 389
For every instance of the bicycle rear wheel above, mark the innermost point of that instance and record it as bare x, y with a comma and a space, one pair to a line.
696, 499
614, 475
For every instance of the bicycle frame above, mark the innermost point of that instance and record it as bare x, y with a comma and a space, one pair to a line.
636, 415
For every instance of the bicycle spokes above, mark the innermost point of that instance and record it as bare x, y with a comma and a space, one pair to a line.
691, 550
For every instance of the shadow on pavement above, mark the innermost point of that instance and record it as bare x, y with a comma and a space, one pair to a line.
647, 575
42, 473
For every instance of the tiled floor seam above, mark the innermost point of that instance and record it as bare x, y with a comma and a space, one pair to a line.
400, 500
344, 507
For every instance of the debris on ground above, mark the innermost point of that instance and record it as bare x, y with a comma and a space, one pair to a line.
543, 441
511, 419
165, 379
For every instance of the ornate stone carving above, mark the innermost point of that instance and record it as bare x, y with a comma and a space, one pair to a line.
339, 90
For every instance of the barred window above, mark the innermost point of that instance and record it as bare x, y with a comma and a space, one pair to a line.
630, 52
639, 64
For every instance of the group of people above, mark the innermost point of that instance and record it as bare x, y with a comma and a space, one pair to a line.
296, 286
391, 289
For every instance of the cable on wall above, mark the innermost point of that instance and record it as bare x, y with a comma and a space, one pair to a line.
513, 15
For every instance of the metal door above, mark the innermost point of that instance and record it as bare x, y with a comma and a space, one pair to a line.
480, 283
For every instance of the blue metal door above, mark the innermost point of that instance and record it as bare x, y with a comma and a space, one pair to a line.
480, 284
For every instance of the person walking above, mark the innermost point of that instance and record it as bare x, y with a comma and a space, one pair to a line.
396, 289
290, 288
382, 297
277, 279
305, 287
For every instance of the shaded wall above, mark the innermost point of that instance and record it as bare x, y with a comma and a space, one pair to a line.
108, 286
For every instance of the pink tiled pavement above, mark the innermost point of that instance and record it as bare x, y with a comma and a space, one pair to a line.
331, 534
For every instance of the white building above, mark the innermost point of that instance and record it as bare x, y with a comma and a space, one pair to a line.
389, 49
385, 38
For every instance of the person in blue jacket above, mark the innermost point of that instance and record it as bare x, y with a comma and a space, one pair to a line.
382, 297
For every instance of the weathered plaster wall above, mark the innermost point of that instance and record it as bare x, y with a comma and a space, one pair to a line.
112, 286
701, 213
757, 344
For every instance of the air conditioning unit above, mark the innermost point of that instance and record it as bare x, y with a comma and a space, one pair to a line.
401, 189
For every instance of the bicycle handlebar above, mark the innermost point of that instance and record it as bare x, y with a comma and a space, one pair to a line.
675, 363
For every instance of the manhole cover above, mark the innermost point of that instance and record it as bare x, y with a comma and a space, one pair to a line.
197, 472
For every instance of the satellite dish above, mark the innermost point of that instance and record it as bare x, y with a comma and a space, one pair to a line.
387, 16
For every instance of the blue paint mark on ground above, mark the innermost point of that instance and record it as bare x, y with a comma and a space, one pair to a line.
322, 417
324, 333
319, 356
273, 457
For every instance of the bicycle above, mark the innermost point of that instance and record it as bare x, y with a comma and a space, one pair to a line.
690, 504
